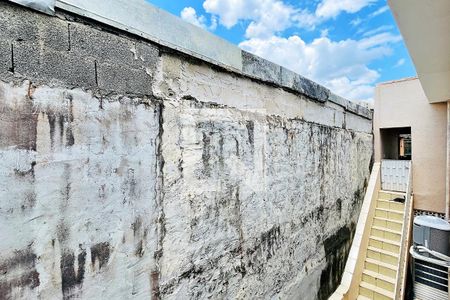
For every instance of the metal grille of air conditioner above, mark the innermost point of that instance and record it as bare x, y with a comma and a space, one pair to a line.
430, 281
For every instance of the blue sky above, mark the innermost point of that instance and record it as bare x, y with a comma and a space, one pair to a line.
347, 45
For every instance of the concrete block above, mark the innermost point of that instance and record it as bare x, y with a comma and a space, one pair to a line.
17, 22
304, 86
352, 107
124, 79
260, 68
50, 32
356, 123
34, 62
5, 56
100, 45
147, 55
54, 33
359, 110
338, 100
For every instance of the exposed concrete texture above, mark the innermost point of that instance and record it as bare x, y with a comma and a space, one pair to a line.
255, 204
50, 50
78, 194
158, 26
145, 20
128, 170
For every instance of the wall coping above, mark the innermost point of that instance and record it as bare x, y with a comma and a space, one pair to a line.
161, 27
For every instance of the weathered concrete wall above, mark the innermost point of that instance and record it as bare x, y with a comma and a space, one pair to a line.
128, 170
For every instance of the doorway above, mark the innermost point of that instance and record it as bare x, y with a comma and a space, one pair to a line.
396, 143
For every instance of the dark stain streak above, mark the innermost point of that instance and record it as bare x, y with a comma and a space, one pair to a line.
136, 226
29, 172
251, 132
237, 147
70, 140
221, 156
61, 122
339, 206
52, 124
315, 215
337, 248
71, 278
264, 249
154, 278
68, 187
206, 155
100, 252
180, 167
192, 272
139, 252
62, 232
18, 272
237, 213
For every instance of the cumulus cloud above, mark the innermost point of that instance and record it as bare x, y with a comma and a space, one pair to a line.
268, 17
339, 65
332, 8
343, 66
190, 15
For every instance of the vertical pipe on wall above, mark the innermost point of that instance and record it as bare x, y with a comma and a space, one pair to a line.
447, 181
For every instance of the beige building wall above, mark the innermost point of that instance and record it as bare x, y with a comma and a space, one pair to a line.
404, 104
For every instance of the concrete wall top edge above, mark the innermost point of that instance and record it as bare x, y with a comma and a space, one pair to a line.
163, 28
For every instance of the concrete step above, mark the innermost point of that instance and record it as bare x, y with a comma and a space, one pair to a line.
373, 292
388, 195
389, 214
386, 223
384, 256
380, 267
386, 233
388, 204
379, 280
384, 244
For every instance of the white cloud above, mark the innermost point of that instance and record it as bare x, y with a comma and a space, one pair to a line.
271, 16
342, 66
268, 17
378, 29
356, 22
190, 15
379, 11
332, 8
400, 62
324, 32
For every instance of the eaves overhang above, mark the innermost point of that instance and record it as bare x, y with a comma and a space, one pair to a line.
425, 27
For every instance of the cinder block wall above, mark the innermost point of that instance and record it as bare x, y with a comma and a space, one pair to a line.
131, 171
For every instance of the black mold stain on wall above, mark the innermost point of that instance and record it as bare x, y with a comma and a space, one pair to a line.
100, 252
18, 272
337, 248
265, 247
72, 279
